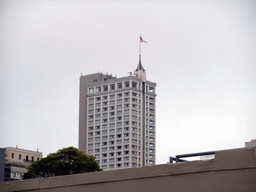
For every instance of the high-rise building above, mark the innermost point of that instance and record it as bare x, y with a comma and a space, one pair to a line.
117, 119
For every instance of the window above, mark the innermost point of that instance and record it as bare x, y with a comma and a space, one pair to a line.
90, 151
119, 136
119, 106
97, 116
126, 164
126, 117
105, 88
119, 130
97, 138
112, 97
119, 85
91, 105
151, 89
104, 114
134, 84
111, 155
111, 136
97, 144
104, 167
111, 148
111, 160
90, 139
112, 102
105, 103
134, 94
126, 94
151, 150
126, 99
97, 98
126, 105
12, 155
104, 160
105, 109
126, 111
97, 110
119, 124
91, 111
119, 112
97, 127
90, 145
104, 143
98, 89
119, 95
127, 84
119, 101
112, 131
19, 156
151, 144
126, 140
97, 150
111, 142
104, 137
112, 86
91, 100
105, 97
91, 90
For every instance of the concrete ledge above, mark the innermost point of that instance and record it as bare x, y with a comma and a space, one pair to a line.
233, 169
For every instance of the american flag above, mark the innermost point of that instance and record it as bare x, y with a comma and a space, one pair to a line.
142, 41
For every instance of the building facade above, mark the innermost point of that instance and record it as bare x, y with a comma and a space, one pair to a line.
15, 162
117, 119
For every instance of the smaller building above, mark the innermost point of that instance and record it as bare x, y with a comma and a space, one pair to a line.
15, 162
251, 144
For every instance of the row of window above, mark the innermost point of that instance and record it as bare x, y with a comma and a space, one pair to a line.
127, 105
26, 159
119, 97
119, 154
104, 138
117, 86
119, 165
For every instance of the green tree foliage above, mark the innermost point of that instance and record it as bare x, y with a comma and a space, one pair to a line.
64, 162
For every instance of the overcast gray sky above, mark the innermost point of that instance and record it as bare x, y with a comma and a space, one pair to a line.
201, 54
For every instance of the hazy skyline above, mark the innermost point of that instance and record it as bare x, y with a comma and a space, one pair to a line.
201, 55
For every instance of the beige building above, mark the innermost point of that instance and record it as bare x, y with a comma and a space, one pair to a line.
117, 119
16, 160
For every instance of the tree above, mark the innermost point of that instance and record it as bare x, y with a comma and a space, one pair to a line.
64, 162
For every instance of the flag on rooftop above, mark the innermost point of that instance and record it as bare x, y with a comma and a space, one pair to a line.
142, 41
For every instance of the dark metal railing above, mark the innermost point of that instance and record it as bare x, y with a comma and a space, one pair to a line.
177, 158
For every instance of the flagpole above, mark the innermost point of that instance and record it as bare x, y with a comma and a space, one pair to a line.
140, 48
